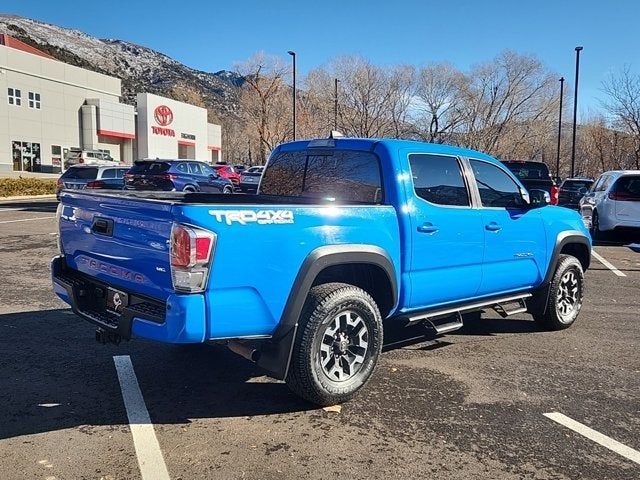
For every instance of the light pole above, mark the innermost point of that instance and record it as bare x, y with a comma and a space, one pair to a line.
559, 127
575, 113
335, 105
293, 55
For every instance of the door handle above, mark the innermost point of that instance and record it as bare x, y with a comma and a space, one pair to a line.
493, 227
428, 228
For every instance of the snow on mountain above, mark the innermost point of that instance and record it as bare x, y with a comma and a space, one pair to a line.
141, 69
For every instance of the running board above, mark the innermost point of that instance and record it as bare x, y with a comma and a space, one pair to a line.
498, 304
449, 326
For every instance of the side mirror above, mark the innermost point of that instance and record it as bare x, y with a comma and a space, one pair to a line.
539, 198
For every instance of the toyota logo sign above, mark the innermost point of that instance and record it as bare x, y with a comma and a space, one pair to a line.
163, 115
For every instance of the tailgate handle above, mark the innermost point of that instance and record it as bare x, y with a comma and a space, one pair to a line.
102, 226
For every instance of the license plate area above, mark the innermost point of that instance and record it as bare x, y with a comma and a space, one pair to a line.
117, 301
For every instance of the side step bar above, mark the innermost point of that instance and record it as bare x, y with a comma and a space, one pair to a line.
505, 306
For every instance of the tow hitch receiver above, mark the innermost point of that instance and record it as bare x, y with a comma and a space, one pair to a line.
104, 337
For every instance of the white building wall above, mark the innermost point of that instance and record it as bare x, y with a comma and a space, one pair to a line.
63, 90
188, 127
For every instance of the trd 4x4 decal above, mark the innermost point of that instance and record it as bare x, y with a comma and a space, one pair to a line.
261, 217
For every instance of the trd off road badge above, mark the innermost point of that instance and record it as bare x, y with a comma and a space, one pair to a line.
261, 217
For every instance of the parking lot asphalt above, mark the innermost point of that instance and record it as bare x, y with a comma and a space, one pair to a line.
465, 405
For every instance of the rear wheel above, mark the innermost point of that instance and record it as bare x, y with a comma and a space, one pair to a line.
565, 295
227, 190
337, 345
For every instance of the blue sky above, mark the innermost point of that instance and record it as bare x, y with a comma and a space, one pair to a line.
213, 35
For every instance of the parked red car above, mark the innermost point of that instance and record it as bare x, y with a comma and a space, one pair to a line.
227, 171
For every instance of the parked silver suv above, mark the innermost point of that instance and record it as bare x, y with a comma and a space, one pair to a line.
613, 203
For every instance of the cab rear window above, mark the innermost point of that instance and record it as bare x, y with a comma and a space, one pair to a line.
326, 175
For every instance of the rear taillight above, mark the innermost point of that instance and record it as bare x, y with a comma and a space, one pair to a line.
59, 211
191, 253
60, 183
95, 184
80, 160
167, 176
554, 195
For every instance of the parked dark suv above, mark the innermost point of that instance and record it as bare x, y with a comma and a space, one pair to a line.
175, 175
572, 190
80, 177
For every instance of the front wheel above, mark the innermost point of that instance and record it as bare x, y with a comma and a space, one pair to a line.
337, 345
565, 295
227, 190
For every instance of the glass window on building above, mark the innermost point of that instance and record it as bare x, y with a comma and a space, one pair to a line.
14, 96
34, 100
26, 156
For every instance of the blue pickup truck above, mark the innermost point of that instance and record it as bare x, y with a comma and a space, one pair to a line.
352, 235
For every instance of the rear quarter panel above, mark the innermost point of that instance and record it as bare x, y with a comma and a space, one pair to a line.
255, 263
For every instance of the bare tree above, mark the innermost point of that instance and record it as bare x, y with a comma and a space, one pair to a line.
439, 93
263, 101
623, 104
509, 101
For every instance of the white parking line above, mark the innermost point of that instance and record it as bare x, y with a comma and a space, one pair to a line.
27, 219
606, 263
150, 460
608, 442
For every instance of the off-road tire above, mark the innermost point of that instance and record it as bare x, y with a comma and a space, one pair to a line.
325, 303
554, 318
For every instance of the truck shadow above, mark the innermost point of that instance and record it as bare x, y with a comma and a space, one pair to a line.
53, 375
25, 206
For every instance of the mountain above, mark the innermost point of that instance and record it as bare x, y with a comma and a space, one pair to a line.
141, 69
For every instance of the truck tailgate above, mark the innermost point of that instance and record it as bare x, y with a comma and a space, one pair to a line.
121, 241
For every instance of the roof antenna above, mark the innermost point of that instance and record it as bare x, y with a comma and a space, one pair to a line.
336, 134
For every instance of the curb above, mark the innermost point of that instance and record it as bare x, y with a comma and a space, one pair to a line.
28, 197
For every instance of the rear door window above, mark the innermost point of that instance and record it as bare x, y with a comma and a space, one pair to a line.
194, 168
438, 179
497, 189
109, 173
331, 175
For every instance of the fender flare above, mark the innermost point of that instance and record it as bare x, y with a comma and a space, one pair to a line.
563, 239
275, 355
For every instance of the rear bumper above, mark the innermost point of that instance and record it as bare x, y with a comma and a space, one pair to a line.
179, 319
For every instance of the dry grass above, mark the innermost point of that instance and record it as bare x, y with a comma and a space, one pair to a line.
13, 187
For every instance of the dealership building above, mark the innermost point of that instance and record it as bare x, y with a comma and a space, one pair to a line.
52, 107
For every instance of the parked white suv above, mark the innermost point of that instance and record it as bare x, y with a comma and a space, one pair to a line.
76, 156
613, 203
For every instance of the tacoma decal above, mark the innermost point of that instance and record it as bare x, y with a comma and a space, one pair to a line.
261, 217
